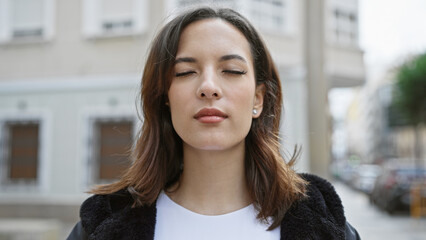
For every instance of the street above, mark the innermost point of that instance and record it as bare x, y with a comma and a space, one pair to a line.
373, 224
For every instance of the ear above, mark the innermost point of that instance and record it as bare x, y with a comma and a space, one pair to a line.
258, 100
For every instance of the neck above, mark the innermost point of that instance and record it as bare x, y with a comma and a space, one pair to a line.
212, 182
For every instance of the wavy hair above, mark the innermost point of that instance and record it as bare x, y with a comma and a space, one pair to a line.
157, 155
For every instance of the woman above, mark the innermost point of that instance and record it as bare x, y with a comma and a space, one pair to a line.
207, 163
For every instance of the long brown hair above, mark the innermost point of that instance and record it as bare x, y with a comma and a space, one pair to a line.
157, 155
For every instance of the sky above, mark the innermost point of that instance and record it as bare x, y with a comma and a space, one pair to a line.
391, 30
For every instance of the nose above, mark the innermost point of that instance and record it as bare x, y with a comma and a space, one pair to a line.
209, 87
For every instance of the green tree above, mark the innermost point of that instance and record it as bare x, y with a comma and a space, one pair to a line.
410, 97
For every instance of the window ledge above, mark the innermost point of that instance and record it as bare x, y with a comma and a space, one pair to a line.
19, 42
115, 35
19, 187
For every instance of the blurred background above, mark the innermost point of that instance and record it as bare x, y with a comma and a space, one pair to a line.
353, 74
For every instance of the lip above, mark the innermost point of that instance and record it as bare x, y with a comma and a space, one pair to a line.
210, 115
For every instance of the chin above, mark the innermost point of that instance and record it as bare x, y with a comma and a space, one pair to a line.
209, 147
214, 146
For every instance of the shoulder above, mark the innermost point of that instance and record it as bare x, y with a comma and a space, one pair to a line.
323, 198
109, 216
318, 216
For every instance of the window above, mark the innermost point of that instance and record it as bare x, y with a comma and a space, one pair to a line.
106, 18
112, 141
267, 15
26, 20
116, 15
343, 24
21, 152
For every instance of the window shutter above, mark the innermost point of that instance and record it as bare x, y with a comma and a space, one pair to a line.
27, 18
114, 17
114, 142
23, 151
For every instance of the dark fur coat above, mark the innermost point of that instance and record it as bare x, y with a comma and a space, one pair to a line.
320, 216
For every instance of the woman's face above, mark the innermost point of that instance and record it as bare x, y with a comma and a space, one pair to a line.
213, 91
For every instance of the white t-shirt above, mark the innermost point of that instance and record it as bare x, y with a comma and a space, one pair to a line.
177, 222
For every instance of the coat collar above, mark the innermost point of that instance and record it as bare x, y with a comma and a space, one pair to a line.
319, 216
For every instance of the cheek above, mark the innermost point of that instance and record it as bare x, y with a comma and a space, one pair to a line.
175, 96
178, 102
243, 96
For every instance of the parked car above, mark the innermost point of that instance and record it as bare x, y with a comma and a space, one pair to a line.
391, 191
365, 177
342, 171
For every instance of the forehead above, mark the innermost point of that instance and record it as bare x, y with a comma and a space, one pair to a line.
213, 34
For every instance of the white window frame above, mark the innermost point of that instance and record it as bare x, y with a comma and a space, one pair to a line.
43, 118
89, 116
92, 22
6, 30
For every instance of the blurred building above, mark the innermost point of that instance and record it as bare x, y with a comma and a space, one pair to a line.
353, 125
376, 132
70, 75
375, 100
367, 126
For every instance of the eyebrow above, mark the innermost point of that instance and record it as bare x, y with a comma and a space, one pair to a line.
222, 59
231, 57
185, 59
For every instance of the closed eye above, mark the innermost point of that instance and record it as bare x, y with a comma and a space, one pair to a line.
182, 74
236, 72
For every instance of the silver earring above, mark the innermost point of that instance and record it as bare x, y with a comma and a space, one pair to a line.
254, 111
